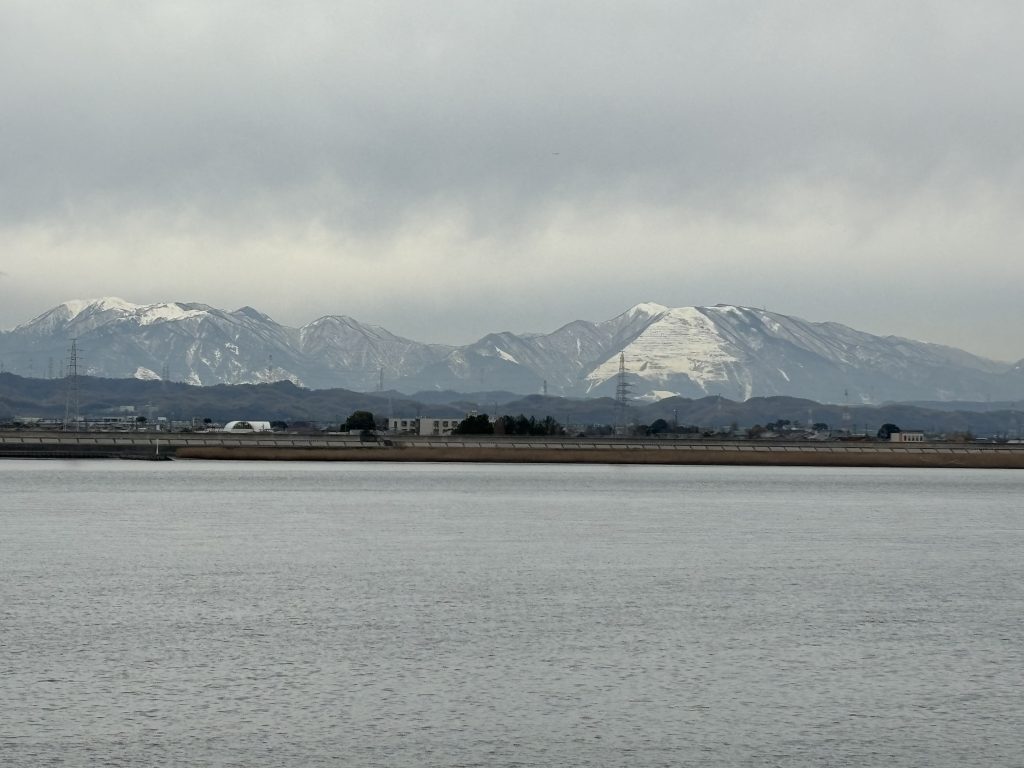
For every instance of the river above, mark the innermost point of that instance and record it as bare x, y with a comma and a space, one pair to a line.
262, 614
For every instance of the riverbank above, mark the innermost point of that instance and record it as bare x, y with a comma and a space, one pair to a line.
283, 447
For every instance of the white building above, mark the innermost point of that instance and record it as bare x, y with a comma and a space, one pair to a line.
423, 426
248, 426
906, 437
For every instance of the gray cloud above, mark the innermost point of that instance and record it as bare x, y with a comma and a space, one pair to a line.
396, 161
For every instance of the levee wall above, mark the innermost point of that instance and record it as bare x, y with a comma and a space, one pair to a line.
282, 447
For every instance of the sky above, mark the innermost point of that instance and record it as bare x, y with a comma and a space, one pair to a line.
449, 169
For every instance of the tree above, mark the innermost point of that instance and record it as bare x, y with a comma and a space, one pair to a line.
886, 431
474, 425
550, 427
658, 426
520, 425
359, 421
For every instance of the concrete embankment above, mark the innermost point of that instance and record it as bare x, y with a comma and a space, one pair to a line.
282, 447
719, 455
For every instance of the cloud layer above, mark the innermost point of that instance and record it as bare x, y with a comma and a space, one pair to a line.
447, 169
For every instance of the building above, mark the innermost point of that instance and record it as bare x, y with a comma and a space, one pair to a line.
906, 437
248, 426
423, 426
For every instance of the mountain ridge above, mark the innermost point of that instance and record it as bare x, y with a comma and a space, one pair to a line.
727, 350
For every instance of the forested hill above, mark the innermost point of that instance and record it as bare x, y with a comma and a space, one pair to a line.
283, 401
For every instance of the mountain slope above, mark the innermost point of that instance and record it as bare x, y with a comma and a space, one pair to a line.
353, 355
739, 352
735, 352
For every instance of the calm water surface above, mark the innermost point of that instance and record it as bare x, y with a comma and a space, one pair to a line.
250, 614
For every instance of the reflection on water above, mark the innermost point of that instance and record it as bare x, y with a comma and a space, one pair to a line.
360, 614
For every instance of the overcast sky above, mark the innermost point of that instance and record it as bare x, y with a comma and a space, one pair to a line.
446, 169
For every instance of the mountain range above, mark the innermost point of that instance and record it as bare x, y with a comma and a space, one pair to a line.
730, 351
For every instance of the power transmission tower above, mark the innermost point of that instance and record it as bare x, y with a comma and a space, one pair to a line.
71, 399
380, 383
622, 388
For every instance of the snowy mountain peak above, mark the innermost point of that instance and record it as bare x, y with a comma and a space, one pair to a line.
253, 314
649, 308
343, 321
77, 307
115, 308
69, 311
726, 350
343, 324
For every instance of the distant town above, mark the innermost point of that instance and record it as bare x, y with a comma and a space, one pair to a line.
530, 417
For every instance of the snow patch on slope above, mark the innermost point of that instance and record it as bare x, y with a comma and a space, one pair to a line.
163, 313
682, 342
656, 394
647, 308
145, 374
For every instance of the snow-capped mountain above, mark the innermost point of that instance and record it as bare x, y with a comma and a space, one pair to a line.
199, 344
523, 363
739, 352
736, 352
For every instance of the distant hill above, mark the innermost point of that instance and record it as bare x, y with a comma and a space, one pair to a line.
733, 352
287, 402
